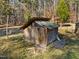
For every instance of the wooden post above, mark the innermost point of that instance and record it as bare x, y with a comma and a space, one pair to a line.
76, 11
7, 26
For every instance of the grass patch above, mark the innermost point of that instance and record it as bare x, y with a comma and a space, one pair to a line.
17, 48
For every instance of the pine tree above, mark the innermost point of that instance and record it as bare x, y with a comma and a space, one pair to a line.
63, 10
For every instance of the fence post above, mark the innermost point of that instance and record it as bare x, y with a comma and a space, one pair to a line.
7, 27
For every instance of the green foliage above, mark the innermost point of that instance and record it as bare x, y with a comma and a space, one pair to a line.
27, 15
5, 8
63, 10
71, 54
31, 6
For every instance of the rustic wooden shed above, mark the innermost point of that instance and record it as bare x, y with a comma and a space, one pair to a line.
47, 31
42, 33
